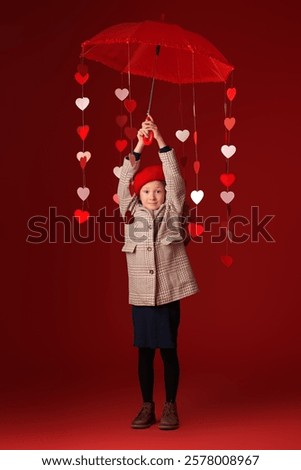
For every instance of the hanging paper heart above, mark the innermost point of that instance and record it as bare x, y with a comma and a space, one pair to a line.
121, 120
81, 79
228, 150
121, 144
130, 105
195, 137
83, 131
195, 230
83, 193
121, 93
227, 260
81, 216
197, 196
132, 159
182, 135
82, 69
227, 178
229, 123
183, 161
117, 171
231, 92
82, 103
130, 132
83, 162
227, 196
81, 155
116, 198
196, 166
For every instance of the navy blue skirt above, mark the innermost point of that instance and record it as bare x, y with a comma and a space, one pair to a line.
156, 326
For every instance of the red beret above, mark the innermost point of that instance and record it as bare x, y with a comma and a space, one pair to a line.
149, 173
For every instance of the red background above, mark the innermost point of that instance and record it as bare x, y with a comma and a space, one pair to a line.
68, 367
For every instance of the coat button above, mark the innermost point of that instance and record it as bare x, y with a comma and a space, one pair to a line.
149, 248
151, 271
150, 226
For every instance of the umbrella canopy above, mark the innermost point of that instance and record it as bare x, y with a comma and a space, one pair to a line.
183, 56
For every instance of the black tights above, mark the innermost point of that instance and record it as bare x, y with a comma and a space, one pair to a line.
146, 372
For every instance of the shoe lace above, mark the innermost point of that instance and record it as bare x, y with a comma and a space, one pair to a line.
145, 410
169, 409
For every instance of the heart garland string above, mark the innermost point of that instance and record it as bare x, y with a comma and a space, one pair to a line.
126, 131
195, 229
121, 143
83, 192
227, 178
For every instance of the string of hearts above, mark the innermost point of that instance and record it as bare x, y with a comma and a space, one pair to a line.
126, 131
83, 156
227, 178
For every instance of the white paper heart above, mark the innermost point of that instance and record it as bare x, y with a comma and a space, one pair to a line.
82, 103
121, 93
197, 196
182, 135
228, 150
83, 193
80, 155
117, 171
227, 196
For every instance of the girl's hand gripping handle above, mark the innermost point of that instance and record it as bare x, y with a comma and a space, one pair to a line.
148, 140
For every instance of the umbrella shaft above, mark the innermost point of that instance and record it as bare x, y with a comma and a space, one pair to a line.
157, 50
151, 96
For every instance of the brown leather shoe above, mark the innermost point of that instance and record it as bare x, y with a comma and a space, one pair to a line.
169, 419
146, 416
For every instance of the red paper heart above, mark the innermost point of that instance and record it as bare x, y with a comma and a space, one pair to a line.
130, 105
83, 162
81, 216
195, 230
229, 123
121, 144
130, 132
227, 260
121, 120
231, 92
81, 79
83, 131
183, 161
116, 198
195, 137
82, 69
196, 166
227, 179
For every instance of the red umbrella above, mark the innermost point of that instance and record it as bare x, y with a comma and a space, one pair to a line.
159, 50
132, 47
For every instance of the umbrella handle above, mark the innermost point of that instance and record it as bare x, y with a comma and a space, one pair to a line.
148, 140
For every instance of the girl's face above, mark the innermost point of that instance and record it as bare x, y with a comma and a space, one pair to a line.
152, 195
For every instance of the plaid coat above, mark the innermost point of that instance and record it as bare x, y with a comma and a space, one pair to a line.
158, 267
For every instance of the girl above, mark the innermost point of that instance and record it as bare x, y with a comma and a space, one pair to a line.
158, 269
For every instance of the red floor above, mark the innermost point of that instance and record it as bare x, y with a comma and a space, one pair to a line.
78, 417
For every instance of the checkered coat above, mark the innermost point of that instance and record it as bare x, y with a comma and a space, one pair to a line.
158, 267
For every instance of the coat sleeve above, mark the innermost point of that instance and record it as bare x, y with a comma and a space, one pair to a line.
175, 186
127, 202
